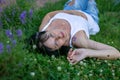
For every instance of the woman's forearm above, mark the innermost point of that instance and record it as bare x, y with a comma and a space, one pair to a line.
103, 54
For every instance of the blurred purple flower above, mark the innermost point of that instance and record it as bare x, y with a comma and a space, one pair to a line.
22, 17
2, 1
1, 10
14, 42
19, 32
9, 34
8, 47
1, 47
30, 13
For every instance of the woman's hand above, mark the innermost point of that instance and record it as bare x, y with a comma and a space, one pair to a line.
76, 55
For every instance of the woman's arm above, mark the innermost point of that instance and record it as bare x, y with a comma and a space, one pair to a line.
102, 51
95, 49
89, 48
45, 21
79, 54
51, 14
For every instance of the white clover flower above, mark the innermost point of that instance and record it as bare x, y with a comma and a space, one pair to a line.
81, 63
48, 61
113, 71
84, 60
78, 73
82, 67
34, 46
91, 71
109, 64
112, 42
108, 42
85, 76
35, 59
90, 74
53, 56
106, 61
101, 70
32, 74
8, 42
113, 74
59, 68
84, 64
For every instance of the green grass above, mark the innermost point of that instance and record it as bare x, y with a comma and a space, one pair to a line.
20, 64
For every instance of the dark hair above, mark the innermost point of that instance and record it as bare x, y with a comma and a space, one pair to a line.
38, 39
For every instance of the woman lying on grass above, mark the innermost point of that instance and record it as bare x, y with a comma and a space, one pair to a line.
72, 27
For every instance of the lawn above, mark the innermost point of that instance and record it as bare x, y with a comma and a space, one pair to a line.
19, 21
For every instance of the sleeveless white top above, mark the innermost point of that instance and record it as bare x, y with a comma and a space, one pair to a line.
77, 23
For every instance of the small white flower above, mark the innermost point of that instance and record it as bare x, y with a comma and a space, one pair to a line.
113, 74
113, 71
112, 42
81, 62
53, 56
48, 61
32, 74
84, 64
78, 73
34, 46
101, 70
59, 68
8, 42
91, 71
109, 64
108, 42
106, 61
35, 59
90, 74
85, 76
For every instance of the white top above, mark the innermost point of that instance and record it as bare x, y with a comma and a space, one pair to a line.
77, 23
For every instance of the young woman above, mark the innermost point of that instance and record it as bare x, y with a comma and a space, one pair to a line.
72, 27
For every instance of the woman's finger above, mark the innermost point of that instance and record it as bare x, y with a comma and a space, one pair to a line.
70, 52
73, 53
73, 61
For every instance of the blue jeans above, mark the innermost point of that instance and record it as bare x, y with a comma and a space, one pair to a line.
88, 6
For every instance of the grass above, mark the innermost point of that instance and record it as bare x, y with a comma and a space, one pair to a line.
17, 63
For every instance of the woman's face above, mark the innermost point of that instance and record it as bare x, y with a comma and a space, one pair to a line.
57, 38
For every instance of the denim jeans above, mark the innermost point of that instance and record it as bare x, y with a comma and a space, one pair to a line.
88, 6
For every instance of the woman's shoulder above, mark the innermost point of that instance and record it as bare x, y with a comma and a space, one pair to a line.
79, 39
